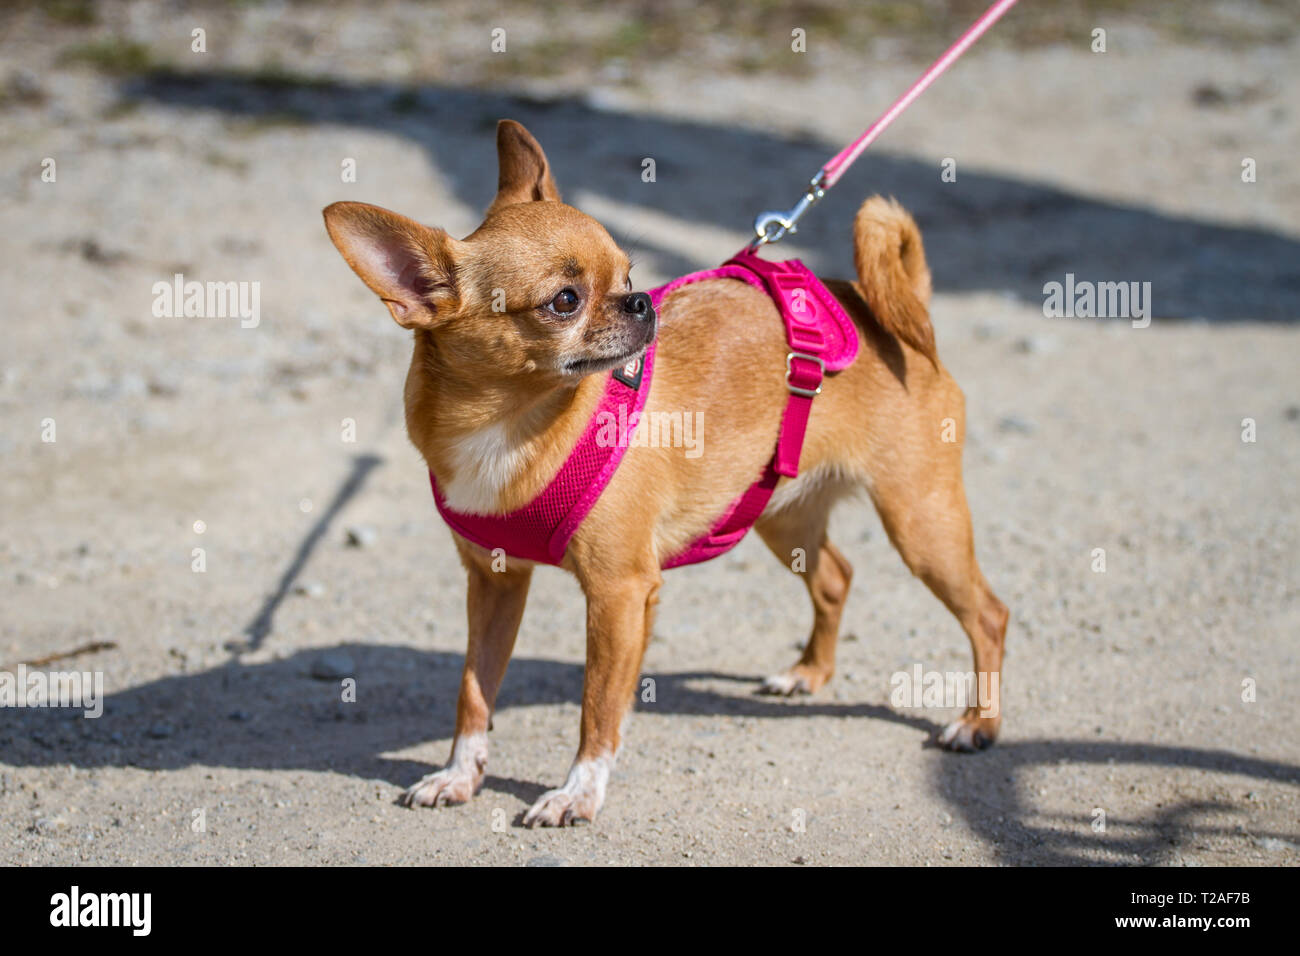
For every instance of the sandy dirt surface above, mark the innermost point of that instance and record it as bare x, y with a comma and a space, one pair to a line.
1124, 689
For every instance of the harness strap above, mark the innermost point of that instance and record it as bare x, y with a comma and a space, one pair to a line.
821, 338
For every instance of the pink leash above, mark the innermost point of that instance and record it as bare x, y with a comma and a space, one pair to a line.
774, 226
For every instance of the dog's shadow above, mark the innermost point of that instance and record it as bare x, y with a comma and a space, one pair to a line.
277, 716
992, 795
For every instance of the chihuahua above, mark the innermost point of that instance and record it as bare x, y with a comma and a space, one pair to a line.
516, 328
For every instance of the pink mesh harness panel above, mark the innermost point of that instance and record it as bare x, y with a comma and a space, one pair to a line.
821, 337
540, 530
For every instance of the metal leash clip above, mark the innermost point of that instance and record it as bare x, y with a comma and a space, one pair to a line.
773, 226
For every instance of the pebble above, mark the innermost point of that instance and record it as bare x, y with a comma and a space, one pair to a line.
361, 536
25, 85
547, 860
333, 665
1039, 344
1014, 423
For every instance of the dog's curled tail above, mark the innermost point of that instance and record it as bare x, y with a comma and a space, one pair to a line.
890, 260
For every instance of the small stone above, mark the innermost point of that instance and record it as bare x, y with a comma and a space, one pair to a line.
333, 665
311, 589
24, 85
361, 536
163, 386
1014, 423
1039, 344
547, 860
1208, 95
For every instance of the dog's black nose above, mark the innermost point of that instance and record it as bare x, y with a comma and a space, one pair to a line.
638, 304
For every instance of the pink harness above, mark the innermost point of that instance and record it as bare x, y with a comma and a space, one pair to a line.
821, 337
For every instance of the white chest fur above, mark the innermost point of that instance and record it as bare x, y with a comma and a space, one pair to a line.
484, 462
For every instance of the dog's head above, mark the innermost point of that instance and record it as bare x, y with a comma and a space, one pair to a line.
538, 290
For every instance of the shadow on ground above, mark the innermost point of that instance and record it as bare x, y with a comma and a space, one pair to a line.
984, 232
993, 799
275, 716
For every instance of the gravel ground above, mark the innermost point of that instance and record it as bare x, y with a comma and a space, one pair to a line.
1123, 690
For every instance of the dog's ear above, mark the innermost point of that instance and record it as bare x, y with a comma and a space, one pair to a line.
525, 175
411, 267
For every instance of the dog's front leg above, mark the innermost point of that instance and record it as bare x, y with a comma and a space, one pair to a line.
619, 615
496, 605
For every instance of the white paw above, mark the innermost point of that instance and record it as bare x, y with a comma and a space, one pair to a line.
578, 800
455, 783
785, 685
964, 736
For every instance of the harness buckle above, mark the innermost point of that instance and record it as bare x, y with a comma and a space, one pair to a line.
789, 370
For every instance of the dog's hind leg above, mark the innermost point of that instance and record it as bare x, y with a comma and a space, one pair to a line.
796, 534
927, 519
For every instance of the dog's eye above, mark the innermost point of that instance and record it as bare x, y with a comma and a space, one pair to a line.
566, 303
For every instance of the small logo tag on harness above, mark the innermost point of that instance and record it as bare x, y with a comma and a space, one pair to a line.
630, 374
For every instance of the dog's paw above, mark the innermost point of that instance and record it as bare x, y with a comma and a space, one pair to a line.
577, 801
442, 789
800, 679
969, 734
455, 783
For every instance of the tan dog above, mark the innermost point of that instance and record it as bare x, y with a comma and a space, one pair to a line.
495, 401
